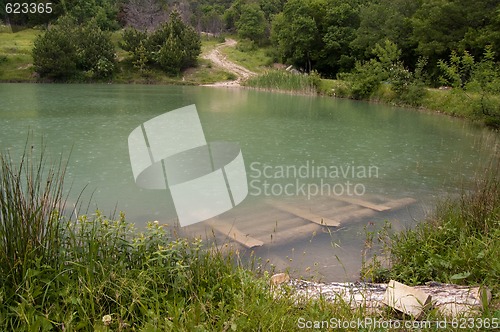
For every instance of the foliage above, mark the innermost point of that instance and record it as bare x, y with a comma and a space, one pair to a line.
172, 47
252, 23
460, 244
295, 35
102, 12
316, 34
387, 69
67, 49
479, 81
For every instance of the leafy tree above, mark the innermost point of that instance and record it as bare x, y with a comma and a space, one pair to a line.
316, 34
232, 14
338, 31
296, 36
271, 7
443, 26
387, 19
211, 19
252, 23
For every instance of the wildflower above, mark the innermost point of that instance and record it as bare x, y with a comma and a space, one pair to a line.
106, 319
156, 222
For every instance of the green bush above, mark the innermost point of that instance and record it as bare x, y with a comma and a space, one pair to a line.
67, 49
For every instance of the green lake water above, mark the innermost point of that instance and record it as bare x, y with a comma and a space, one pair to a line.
409, 153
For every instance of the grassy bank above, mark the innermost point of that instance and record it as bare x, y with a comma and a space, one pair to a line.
92, 273
459, 244
16, 63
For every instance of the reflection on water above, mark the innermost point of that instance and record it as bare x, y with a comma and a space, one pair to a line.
304, 155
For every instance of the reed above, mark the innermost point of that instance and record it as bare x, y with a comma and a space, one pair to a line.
279, 80
31, 198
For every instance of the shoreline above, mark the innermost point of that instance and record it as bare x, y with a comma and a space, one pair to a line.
236, 84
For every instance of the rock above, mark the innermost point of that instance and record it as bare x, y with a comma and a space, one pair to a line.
406, 299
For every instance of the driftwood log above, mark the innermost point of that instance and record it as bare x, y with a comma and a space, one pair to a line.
450, 300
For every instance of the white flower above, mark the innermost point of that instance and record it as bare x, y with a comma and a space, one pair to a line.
156, 222
106, 319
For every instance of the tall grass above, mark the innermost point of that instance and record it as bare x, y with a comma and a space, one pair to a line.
31, 197
279, 80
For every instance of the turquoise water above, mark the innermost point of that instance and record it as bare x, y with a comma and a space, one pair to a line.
411, 153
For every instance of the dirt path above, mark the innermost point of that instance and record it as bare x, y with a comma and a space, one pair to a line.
221, 60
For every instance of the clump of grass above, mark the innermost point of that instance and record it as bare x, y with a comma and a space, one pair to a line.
279, 80
460, 244
31, 197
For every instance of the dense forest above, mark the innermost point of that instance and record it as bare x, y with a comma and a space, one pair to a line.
329, 36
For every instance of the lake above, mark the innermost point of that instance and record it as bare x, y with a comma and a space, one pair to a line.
348, 163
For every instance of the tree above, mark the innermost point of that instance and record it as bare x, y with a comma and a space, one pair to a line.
252, 23
96, 52
386, 19
338, 31
67, 49
54, 54
172, 47
103, 12
316, 34
482, 78
443, 26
